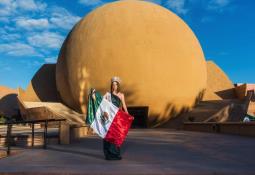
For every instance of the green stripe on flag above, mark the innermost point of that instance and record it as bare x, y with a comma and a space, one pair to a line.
92, 107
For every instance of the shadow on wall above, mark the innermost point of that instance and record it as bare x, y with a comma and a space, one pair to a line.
44, 83
170, 111
9, 105
199, 97
171, 114
84, 87
227, 94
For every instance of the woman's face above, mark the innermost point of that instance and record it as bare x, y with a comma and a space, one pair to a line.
114, 86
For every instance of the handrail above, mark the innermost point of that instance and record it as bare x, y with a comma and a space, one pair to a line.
45, 121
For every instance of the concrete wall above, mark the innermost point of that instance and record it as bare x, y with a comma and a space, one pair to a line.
219, 86
8, 101
241, 91
42, 86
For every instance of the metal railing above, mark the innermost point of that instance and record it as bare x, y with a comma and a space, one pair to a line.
32, 123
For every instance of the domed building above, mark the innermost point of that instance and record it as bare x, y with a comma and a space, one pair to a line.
158, 58
153, 51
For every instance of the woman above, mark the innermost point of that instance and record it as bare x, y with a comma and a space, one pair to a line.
111, 151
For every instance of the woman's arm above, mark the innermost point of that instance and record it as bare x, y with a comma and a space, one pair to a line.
124, 103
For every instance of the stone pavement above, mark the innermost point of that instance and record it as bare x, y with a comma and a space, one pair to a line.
146, 151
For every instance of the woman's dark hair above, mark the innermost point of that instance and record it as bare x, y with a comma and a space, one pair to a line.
118, 86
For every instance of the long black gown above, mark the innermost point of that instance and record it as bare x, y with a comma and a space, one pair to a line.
111, 151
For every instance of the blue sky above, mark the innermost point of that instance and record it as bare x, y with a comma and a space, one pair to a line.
32, 32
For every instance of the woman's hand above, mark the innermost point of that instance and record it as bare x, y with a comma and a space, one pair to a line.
93, 91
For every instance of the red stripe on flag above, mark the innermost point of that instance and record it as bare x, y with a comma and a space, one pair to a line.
119, 128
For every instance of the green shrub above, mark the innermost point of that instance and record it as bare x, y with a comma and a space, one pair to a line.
2, 118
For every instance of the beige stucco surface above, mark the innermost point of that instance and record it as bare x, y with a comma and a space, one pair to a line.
219, 86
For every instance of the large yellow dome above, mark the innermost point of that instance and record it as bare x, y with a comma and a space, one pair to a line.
157, 56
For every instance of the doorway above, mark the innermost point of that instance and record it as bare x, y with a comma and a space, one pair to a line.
140, 114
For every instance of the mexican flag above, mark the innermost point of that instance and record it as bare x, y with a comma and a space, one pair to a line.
113, 129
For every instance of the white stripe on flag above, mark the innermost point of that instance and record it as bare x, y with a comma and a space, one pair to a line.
98, 125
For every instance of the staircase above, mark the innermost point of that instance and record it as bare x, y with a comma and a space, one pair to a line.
205, 111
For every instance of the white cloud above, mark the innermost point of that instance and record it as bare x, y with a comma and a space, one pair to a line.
11, 7
5, 2
9, 28
4, 19
46, 40
50, 60
38, 38
2, 31
218, 4
61, 18
7, 7
9, 37
91, 2
18, 49
177, 6
31, 24
30, 5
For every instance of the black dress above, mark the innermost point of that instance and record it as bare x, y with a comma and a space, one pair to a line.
111, 151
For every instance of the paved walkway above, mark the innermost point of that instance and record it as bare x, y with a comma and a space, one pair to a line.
147, 151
